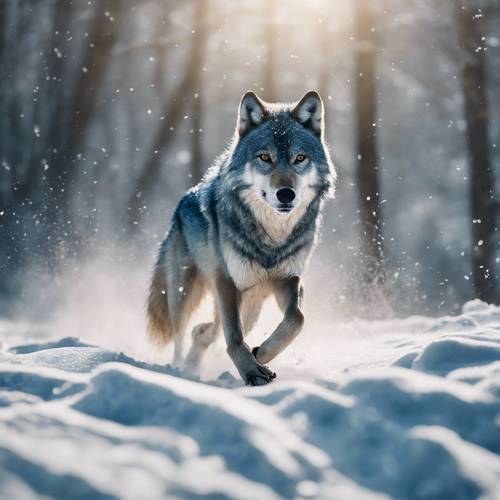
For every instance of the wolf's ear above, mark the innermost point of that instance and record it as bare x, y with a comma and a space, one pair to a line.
251, 113
309, 112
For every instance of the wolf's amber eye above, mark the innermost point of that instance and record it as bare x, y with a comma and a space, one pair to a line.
265, 157
300, 158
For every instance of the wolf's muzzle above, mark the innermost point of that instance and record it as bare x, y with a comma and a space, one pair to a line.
285, 195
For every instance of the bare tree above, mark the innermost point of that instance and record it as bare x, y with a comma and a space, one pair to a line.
103, 35
368, 182
269, 82
15, 131
482, 190
199, 41
56, 63
325, 48
165, 134
3, 71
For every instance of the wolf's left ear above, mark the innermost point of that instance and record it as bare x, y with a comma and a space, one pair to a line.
309, 112
251, 113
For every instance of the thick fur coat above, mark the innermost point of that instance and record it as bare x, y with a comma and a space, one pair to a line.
244, 232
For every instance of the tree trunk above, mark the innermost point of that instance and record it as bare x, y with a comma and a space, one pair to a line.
3, 90
269, 82
102, 37
326, 51
147, 179
482, 191
58, 53
172, 112
368, 161
199, 41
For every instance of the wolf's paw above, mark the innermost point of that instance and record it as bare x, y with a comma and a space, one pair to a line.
252, 372
260, 375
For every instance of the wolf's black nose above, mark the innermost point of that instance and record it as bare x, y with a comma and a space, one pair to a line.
285, 195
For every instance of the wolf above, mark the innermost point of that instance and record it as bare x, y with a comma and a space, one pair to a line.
246, 232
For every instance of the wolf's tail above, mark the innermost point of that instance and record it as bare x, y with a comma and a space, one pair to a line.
159, 324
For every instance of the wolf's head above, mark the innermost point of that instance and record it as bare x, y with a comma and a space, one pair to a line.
279, 152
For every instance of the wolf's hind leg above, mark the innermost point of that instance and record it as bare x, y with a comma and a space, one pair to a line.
187, 294
178, 359
186, 289
289, 294
203, 335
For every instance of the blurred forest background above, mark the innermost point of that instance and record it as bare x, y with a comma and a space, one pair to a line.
111, 109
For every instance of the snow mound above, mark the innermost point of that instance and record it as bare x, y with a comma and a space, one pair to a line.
41, 346
447, 354
400, 409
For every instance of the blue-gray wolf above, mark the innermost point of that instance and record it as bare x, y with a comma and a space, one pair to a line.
245, 232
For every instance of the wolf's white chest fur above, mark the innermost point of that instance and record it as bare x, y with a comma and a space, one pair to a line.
277, 226
246, 273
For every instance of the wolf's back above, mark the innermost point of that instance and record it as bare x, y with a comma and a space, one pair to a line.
159, 324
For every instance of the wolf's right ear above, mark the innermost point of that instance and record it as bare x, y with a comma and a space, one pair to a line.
310, 113
251, 113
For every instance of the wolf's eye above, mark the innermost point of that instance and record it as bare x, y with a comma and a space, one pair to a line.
265, 157
300, 158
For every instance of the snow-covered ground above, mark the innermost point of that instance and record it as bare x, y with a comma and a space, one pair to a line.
389, 409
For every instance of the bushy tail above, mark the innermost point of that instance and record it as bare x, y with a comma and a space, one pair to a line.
159, 324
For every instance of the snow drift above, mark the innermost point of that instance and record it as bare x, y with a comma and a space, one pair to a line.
395, 409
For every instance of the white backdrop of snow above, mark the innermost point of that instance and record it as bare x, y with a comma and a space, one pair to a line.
390, 409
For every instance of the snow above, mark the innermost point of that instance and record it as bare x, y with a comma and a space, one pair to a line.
403, 408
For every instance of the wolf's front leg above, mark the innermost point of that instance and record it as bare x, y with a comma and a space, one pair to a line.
289, 293
228, 300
